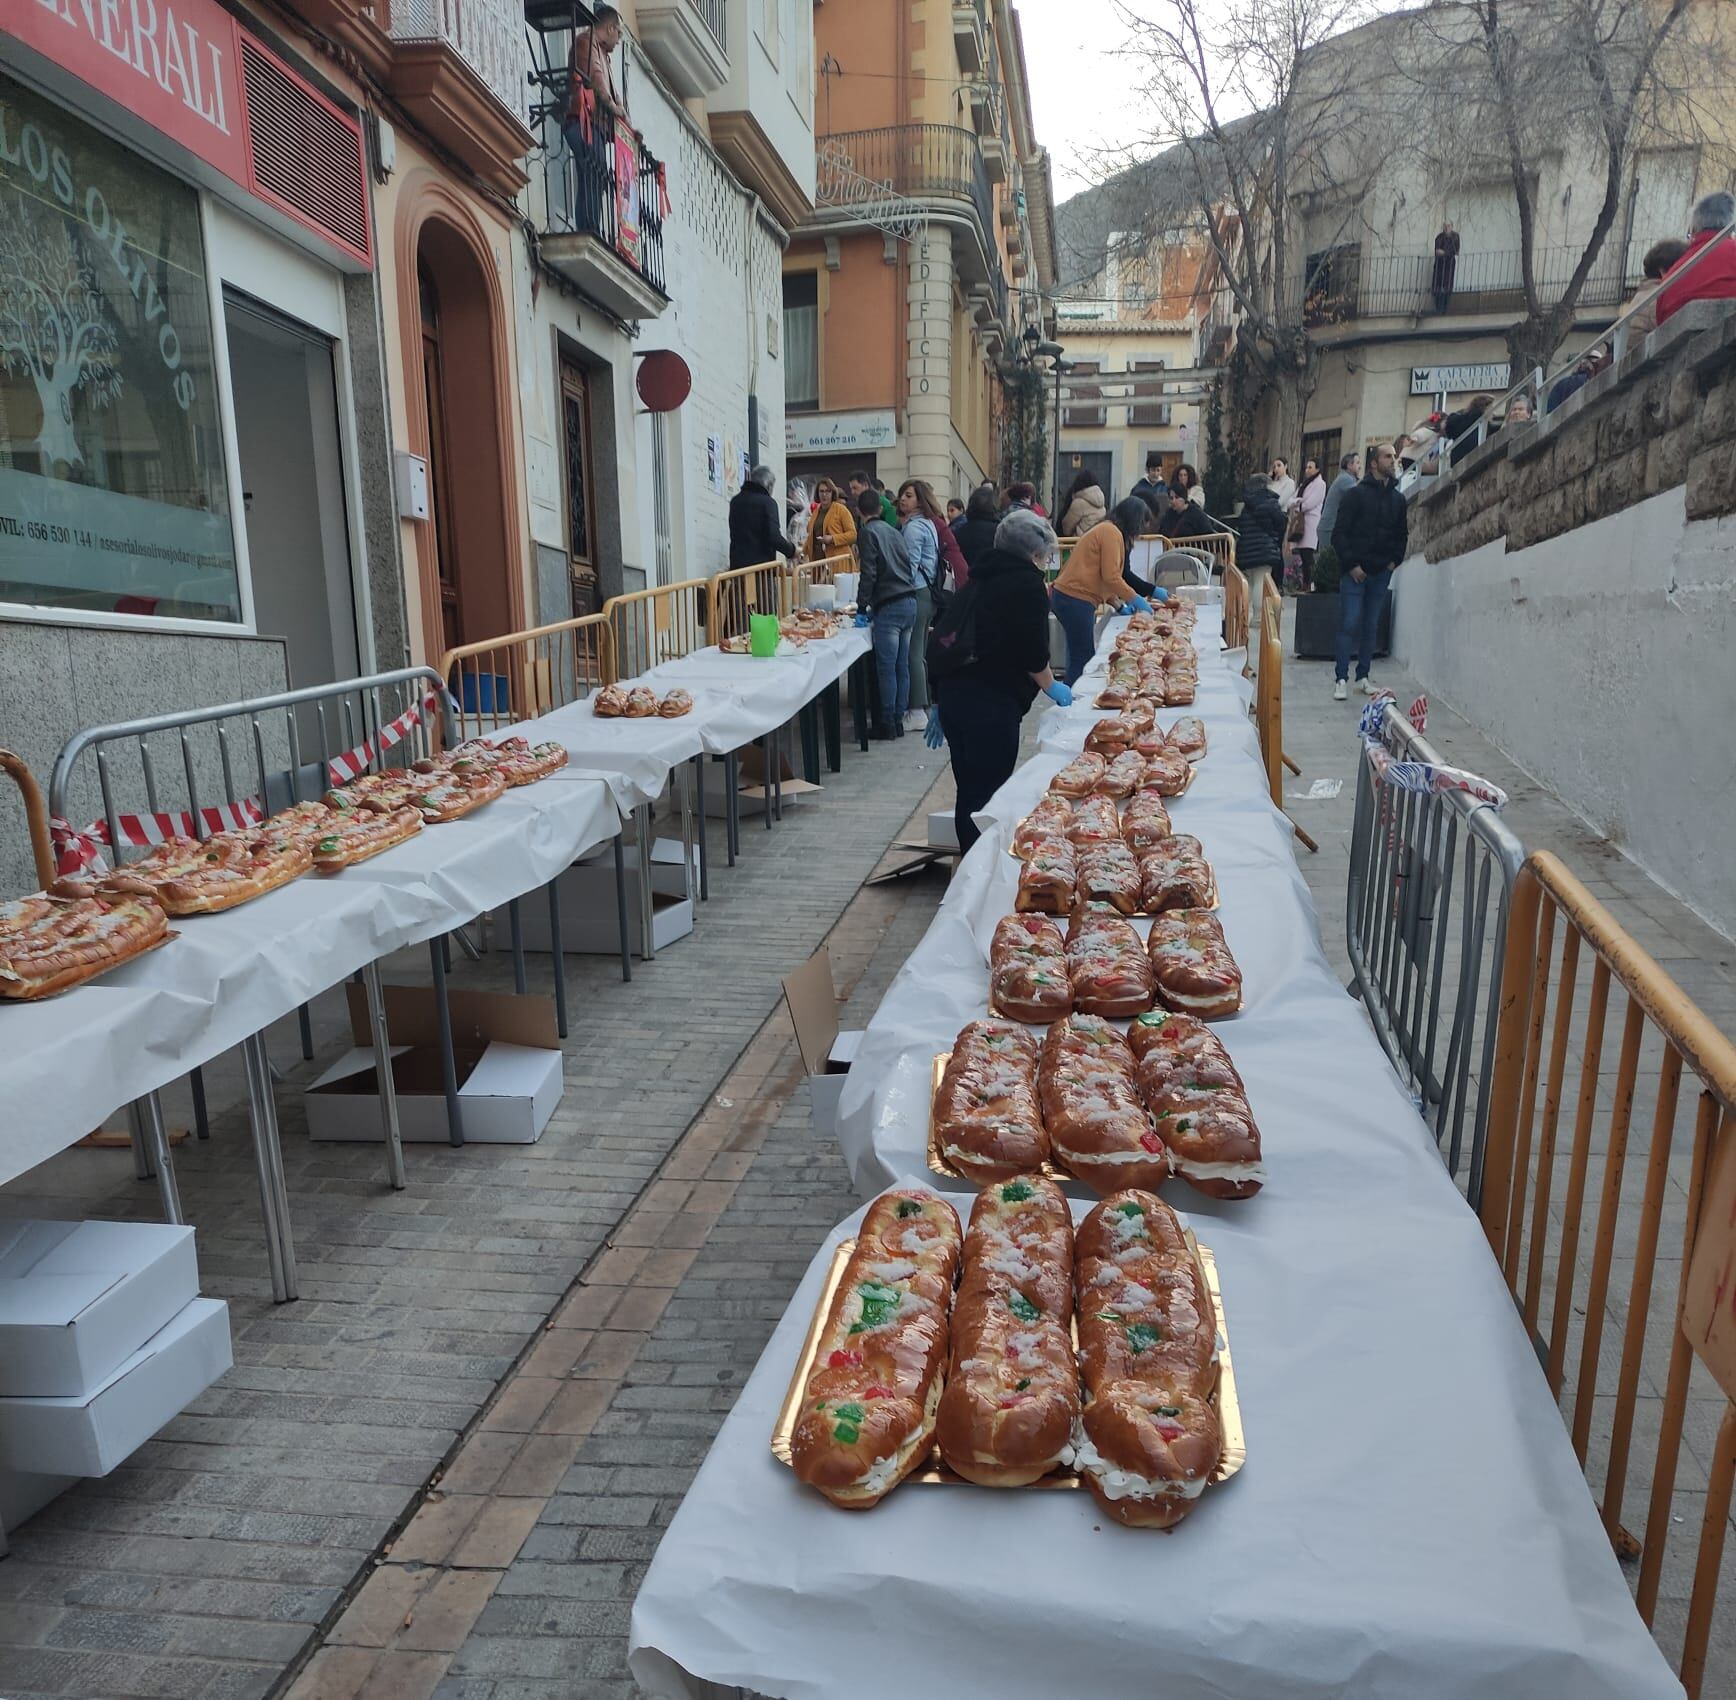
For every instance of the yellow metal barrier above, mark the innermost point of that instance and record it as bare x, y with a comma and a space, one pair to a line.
735, 595
1269, 709
524, 674
1567, 1313
661, 624
35, 816
1238, 608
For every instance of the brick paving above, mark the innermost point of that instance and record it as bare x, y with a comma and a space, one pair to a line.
218, 1556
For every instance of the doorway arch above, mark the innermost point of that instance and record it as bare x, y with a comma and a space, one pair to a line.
457, 371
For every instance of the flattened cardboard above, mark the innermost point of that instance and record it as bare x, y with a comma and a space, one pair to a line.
826, 1052
91, 1434
77, 1299
1709, 1294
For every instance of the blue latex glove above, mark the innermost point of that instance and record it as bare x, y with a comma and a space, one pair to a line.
864, 619
932, 735
1139, 603
1161, 594
1059, 694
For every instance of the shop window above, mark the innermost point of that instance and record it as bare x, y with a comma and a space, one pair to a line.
801, 340
114, 496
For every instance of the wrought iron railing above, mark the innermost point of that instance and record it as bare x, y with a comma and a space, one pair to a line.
714, 14
921, 161
601, 182
488, 35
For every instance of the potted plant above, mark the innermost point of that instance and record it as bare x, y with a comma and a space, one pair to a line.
1317, 615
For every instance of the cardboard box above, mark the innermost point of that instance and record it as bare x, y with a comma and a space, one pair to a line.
827, 1053
91, 1434
77, 1299
590, 924
509, 1070
943, 830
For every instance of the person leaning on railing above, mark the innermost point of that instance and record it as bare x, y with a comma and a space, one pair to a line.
591, 77
1713, 278
1093, 574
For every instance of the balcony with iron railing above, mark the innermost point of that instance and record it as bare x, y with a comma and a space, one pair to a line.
689, 40
934, 165
970, 33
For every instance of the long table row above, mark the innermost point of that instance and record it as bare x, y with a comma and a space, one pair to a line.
1411, 1519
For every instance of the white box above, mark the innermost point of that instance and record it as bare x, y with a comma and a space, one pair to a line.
509, 1071
827, 1053
943, 830
596, 931
590, 923
23, 1493
79, 1298
91, 1434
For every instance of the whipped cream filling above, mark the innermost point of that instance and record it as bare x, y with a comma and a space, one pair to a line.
1253, 1170
1117, 1483
1140, 1156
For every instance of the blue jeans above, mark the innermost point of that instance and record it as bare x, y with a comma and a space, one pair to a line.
893, 624
1079, 625
1359, 610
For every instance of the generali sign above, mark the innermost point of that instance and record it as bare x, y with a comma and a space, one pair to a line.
176, 63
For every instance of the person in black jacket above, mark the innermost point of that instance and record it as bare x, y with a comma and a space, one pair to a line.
976, 537
1183, 516
1371, 538
981, 703
1260, 549
755, 534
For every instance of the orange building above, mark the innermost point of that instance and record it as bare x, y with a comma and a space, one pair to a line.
930, 248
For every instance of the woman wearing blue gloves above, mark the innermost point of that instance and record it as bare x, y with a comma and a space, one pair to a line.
1096, 572
988, 656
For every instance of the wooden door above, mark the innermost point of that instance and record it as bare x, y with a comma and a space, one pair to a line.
580, 493
439, 467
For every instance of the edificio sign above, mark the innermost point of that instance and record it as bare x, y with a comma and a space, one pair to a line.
1454, 380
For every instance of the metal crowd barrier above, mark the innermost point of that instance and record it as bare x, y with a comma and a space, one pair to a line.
656, 625
525, 674
212, 755
735, 596
1536, 1237
1426, 974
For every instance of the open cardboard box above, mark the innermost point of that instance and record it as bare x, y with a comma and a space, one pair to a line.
77, 1299
827, 1053
509, 1069
90, 1434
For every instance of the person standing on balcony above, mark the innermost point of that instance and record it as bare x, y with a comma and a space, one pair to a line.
591, 76
886, 601
1349, 471
1371, 537
754, 536
1446, 266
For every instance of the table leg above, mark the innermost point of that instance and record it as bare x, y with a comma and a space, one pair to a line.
201, 1120
647, 837
383, 1074
516, 922
778, 770
682, 780
448, 1061
810, 725
560, 952
268, 1164
305, 1022
732, 806
766, 760
621, 909
143, 1169
704, 836
832, 715
156, 1138
859, 700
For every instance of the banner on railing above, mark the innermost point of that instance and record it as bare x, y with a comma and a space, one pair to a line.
1426, 777
627, 199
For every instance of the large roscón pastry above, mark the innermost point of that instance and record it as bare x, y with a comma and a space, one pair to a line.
1195, 971
1167, 773
1199, 1104
359, 834
1079, 777
986, 1116
610, 703
1188, 737
1174, 874
1095, 821
1110, 737
51, 944
1012, 1390
1123, 776
185, 876
1050, 819
1046, 880
1107, 965
520, 762
641, 703
1028, 970
1145, 822
1148, 1440
869, 1411
1109, 874
1097, 1124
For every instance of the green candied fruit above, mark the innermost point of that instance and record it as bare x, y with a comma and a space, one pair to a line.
1130, 1208
1167, 1411
908, 1207
1153, 1018
879, 1304
327, 845
1109, 1316
1142, 1336
1024, 1382
1022, 1308
1015, 1192
847, 1433
851, 1413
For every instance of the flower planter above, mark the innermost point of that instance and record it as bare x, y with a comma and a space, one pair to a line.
1317, 627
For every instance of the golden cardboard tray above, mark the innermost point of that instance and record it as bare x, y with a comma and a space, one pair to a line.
1230, 1460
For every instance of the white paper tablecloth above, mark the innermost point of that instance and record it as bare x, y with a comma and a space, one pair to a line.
68, 1062
1411, 1522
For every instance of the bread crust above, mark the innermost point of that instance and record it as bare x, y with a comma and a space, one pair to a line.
987, 1119
354, 838
1108, 873
1046, 880
50, 945
1108, 969
1174, 874
1097, 1124
1028, 978
1188, 737
1079, 777
869, 1409
1198, 1103
1145, 822
1195, 971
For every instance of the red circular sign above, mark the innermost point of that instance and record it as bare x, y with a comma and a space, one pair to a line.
664, 380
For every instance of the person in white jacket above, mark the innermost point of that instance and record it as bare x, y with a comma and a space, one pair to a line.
1283, 485
1310, 499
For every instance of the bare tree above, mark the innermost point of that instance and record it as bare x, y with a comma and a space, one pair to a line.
1260, 127
1511, 86
54, 325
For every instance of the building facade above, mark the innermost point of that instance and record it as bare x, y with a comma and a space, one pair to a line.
930, 246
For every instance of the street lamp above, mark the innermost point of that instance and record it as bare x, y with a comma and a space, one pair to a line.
1036, 348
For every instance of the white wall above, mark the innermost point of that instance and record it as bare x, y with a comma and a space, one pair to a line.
1600, 661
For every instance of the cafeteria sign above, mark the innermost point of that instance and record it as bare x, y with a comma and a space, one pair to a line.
839, 433
1456, 380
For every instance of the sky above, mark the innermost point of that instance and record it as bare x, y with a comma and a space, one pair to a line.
1083, 96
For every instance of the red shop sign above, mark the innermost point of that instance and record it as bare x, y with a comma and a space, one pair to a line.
176, 63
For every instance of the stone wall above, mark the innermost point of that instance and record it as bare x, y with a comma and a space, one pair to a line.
1665, 417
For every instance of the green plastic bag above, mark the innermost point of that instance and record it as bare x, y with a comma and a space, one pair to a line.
762, 636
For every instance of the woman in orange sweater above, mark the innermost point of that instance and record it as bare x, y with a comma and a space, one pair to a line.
1093, 575
834, 524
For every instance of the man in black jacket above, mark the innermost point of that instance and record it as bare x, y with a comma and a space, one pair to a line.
755, 534
1371, 537
1153, 488
1183, 518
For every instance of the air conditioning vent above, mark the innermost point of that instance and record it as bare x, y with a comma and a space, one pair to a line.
305, 155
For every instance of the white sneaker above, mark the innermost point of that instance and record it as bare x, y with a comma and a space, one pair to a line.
1368, 687
916, 720
1338, 691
